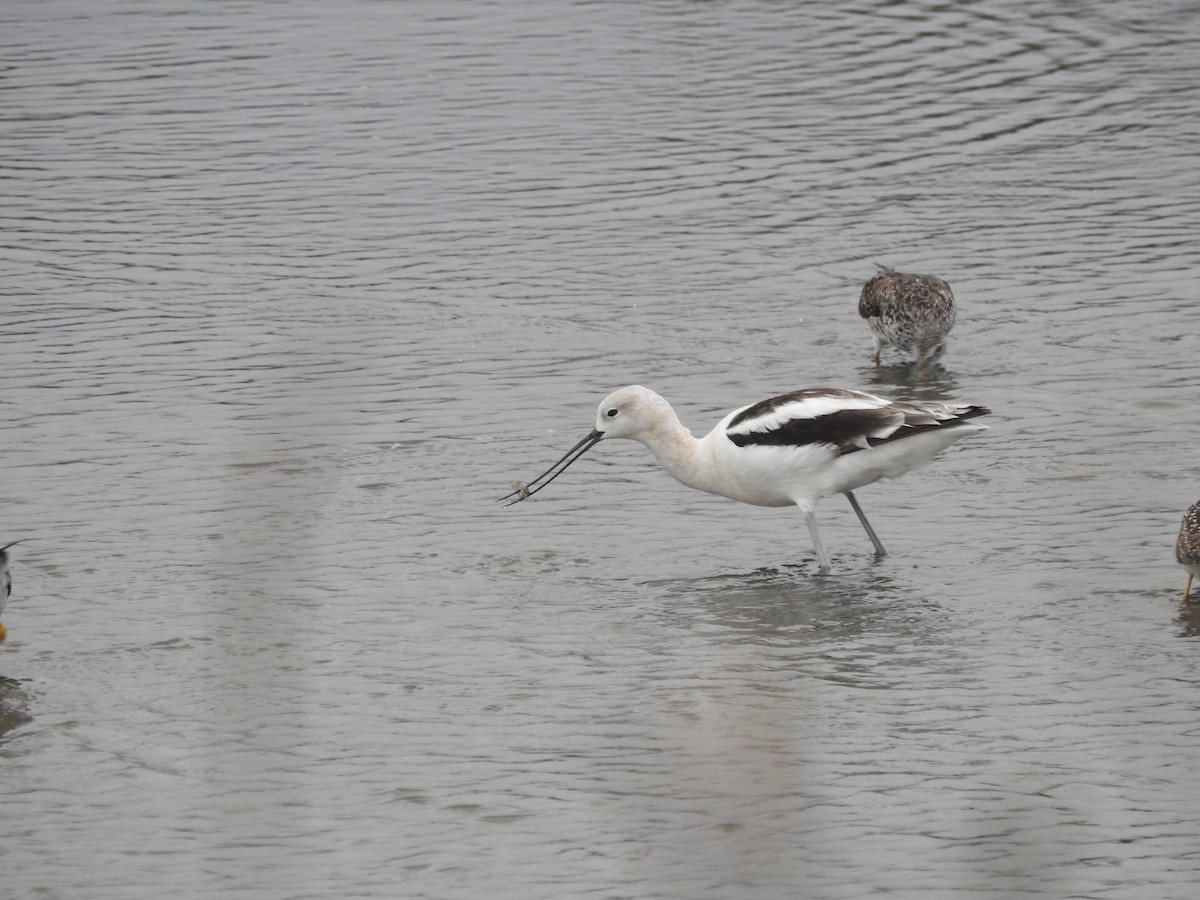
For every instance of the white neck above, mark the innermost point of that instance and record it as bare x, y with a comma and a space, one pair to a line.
679, 453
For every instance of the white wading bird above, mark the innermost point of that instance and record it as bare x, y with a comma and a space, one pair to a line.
790, 450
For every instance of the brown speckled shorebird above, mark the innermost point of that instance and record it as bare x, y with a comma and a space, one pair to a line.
1187, 548
910, 312
5, 585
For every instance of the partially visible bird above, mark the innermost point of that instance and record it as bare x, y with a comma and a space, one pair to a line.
1187, 547
910, 312
790, 450
5, 585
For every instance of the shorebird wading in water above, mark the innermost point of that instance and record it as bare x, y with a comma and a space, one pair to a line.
1187, 547
910, 312
5, 585
790, 450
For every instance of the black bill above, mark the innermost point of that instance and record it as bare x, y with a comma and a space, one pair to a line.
524, 491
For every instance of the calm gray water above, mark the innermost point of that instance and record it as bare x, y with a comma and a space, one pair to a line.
293, 292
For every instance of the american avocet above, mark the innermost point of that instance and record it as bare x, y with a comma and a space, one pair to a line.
5, 585
1187, 547
910, 312
790, 450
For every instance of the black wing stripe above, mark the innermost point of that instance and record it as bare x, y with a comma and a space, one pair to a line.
854, 429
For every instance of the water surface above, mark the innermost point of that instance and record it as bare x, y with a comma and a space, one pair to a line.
294, 293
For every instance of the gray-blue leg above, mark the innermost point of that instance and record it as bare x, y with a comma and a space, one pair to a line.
822, 557
879, 548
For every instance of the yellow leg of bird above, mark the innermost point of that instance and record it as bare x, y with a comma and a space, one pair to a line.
3, 632
1187, 591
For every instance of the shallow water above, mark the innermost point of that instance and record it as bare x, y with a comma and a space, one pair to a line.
294, 293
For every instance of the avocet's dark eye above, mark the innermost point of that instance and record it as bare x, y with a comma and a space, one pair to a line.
611, 413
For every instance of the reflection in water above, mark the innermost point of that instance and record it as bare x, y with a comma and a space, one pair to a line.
852, 629
15, 704
782, 601
936, 383
1189, 619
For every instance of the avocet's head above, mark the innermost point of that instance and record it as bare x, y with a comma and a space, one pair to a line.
628, 413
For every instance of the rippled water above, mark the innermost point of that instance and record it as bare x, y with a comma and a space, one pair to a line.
294, 291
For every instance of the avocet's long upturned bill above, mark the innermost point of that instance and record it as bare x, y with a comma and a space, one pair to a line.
790, 450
